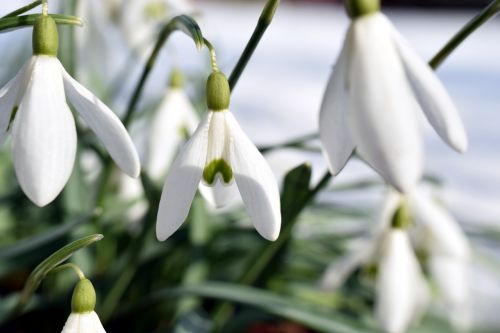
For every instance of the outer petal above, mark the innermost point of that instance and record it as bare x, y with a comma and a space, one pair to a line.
10, 96
445, 234
256, 182
432, 96
182, 182
105, 124
72, 324
398, 284
382, 110
175, 119
44, 134
336, 140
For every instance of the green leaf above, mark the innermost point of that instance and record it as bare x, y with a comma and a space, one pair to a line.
23, 9
58, 257
321, 319
15, 22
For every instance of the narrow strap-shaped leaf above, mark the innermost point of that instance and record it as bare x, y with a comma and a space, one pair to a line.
15, 22
24, 9
50, 263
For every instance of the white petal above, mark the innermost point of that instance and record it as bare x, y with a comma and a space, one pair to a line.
445, 234
451, 277
398, 284
220, 195
385, 215
44, 134
105, 124
336, 140
382, 109
256, 182
10, 96
182, 182
96, 323
432, 96
174, 119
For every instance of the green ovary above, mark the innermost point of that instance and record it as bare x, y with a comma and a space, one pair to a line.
215, 167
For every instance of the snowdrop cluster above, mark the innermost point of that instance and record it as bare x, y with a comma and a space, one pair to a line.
407, 225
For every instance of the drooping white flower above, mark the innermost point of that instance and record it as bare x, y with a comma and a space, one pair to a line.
219, 152
174, 121
436, 233
83, 318
371, 105
33, 107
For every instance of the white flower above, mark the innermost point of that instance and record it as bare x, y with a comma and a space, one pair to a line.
87, 322
219, 152
174, 121
372, 102
33, 106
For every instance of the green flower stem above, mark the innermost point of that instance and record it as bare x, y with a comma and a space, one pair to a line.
15, 22
213, 57
69, 265
183, 23
293, 143
264, 21
256, 267
488, 13
24, 9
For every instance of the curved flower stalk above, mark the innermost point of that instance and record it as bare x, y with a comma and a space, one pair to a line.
83, 318
33, 107
219, 153
378, 87
436, 234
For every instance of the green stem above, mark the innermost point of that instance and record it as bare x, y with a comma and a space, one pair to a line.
213, 57
264, 21
24, 9
70, 265
294, 143
183, 23
489, 12
15, 22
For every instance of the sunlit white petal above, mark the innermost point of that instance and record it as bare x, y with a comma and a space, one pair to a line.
83, 323
382, 109
397, 283
337, 142
432, 96
105, 124
220, 195
175, 119
44, 134
182, 182
256, 182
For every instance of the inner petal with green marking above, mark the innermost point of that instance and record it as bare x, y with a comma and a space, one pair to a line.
217, 165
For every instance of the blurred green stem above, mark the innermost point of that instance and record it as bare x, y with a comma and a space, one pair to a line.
489, 12
69, 265
264, 21
293, 143
24, 9
14, 22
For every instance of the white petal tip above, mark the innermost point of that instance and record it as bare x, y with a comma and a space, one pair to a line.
161, 234
272, 234
42, 200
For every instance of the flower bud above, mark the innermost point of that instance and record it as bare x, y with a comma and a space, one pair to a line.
45, 36
358, 8
83, 299
218, 92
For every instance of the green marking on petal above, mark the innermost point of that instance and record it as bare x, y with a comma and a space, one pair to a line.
215, 167
12, 116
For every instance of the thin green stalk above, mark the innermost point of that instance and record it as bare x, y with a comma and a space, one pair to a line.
24, 9
213, 57
488, 13
264, 21
183, 23
69, 265
294, 143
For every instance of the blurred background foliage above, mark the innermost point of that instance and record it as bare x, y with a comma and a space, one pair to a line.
215, 273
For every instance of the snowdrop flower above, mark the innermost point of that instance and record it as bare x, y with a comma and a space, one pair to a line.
218, 154
33, 107
172, 124
378, 87
83, 318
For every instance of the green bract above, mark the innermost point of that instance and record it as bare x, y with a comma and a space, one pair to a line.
45, 36
358, 8
176, 79
215, 167
402, 217
218, 92
83, 299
